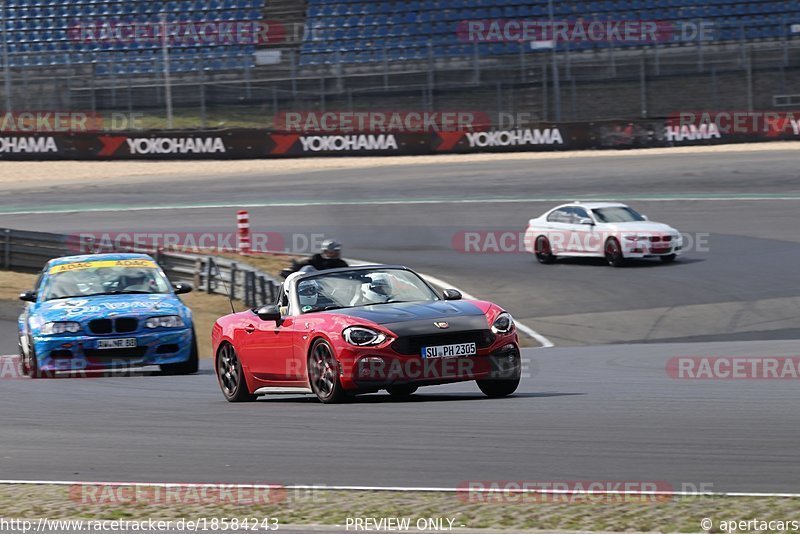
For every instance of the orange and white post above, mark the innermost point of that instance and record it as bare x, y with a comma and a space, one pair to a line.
245, 246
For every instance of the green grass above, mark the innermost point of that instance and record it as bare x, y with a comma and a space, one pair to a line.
215, 119
677, 514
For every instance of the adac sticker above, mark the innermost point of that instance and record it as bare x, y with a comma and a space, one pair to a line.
79, 266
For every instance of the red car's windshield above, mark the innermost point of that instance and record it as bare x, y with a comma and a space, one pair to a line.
362, 288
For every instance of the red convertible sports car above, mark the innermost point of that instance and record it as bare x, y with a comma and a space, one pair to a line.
342, 332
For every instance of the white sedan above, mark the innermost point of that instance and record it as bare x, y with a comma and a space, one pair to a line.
607, 230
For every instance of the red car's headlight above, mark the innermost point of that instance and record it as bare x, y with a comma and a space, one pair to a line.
503, 324
363, 337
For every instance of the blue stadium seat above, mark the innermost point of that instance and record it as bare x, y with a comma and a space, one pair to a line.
39, 34
405, 28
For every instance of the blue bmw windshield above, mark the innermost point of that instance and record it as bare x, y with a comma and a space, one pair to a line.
98, 278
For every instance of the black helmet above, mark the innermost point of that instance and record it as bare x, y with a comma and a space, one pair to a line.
331, 248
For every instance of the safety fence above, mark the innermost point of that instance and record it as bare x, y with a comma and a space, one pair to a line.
700, 128
29, 251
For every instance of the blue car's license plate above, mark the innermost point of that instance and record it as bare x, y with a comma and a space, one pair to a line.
125, 343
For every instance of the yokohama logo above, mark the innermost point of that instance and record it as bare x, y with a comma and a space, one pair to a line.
176, 145
690, 132
27, 145
515, 138
339, 143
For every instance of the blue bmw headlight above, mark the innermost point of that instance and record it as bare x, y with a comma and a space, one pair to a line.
60, 327
166, 321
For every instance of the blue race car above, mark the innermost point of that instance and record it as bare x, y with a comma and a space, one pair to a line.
105, 311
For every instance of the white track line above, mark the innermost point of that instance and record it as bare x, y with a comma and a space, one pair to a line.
542, 491
665, 198
543, 341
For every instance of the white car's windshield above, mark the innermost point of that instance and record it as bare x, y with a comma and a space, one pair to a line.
617, 215
350, 289
104, 278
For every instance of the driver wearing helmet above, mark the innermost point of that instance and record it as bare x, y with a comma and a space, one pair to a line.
137, 280
329, 257
308, 294
379, 289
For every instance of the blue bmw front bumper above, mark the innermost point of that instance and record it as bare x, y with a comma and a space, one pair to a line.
81, 352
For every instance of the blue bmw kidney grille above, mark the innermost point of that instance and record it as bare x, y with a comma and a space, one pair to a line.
121, 325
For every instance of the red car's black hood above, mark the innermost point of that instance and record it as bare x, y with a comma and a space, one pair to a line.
413, 311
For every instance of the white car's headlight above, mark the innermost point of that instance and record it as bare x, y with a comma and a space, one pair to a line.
634, 237
363, 337
503, 324
167, 321
60, 327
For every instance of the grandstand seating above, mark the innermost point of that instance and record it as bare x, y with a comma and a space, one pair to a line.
347, 31
364, 31
39, 34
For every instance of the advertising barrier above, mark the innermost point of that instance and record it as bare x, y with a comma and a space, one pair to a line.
682, 129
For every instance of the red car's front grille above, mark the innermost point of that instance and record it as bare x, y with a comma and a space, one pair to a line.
414, 344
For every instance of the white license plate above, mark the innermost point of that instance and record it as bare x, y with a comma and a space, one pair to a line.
450, 351
125, 343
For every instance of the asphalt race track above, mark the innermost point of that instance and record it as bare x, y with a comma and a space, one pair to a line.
742, 286
600, 406
611, 413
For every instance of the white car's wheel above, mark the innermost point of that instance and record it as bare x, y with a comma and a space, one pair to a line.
543, 250
613, 253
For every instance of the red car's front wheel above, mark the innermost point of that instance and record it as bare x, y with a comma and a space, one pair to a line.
231, 376
323, 373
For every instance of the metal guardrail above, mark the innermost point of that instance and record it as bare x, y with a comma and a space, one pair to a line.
29, 251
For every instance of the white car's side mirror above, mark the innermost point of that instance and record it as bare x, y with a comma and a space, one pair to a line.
645, 217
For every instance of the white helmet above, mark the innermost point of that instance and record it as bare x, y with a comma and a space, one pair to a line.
308, 292
381, 284
379, 289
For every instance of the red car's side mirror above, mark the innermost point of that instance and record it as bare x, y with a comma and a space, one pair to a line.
269, 313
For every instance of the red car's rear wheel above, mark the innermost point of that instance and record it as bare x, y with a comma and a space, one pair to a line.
323, 373
231, 376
